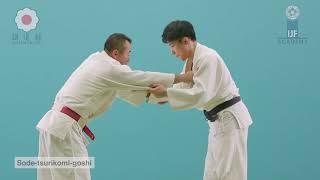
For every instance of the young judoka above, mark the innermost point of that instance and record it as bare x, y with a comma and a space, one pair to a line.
87, 93
215, 92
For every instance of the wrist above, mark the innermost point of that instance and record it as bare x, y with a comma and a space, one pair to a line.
165, 92
177, 78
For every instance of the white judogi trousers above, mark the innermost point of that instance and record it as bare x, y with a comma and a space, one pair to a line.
226, 157
73, 145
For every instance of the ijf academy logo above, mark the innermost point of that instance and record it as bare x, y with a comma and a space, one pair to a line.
26, 21
293, 33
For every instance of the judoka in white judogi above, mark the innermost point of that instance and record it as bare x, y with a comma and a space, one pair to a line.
89, 92
226, 157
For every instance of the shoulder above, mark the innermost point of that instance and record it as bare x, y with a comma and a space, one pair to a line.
207, 56
95, 55
206, 52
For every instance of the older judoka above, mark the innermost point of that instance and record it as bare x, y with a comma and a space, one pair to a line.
215, 92
87, 93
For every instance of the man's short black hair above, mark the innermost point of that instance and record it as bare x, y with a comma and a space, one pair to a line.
116, 41
176, 30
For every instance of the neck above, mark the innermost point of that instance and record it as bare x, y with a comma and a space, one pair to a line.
192, 50
108, 53
111, 55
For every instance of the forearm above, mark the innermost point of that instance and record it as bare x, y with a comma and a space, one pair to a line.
186, 78
133, 97
125, 75
185, 98
177, 79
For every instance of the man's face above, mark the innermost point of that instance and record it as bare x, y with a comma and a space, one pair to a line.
124, 56
180, 49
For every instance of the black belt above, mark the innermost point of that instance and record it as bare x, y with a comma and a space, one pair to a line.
212, 114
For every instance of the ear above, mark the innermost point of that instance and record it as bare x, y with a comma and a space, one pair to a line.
115, 53
185, 40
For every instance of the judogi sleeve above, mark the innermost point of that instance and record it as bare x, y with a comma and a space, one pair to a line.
132, 85
205, 79
124, 75
131, 96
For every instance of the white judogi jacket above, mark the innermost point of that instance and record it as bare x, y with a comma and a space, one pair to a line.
92, 87
212, 86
